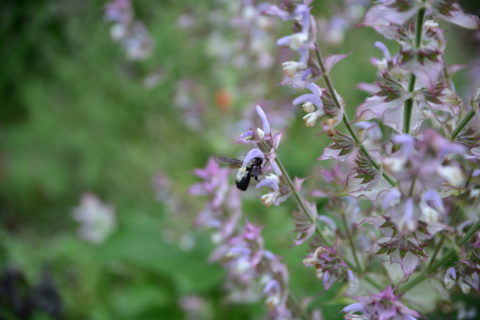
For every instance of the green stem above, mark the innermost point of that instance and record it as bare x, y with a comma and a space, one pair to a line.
437, 250
445, 260
352, 243
407, 115
463, 123
345, 119
306, 211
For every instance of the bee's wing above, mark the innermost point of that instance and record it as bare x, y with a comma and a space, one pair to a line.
232, 163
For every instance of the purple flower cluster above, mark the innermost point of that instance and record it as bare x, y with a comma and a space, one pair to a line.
129, 32
382, 306
403, 174
329, 266
253, 271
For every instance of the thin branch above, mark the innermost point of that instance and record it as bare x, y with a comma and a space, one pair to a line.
407, 115
265, 147
345, 119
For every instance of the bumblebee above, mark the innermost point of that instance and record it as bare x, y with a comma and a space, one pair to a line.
245, 171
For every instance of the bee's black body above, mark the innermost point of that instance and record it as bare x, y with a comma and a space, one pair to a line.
244, 174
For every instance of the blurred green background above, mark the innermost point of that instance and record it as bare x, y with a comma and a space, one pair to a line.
76, 117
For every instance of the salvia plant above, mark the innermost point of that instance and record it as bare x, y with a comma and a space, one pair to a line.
402, 203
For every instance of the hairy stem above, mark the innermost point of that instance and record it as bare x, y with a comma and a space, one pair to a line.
407, 115
345, 119
447, 258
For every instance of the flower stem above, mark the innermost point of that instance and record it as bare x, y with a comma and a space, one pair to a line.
445, 260
265, 147
463, 123
345, 119
407, 114
352, 243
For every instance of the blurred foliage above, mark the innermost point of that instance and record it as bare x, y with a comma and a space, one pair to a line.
75, 117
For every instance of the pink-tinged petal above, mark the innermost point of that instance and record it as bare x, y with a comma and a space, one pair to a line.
370, 191
408, 218
305, 235
252, 154
409, 263
200, 173
328, 221
457, 16
276, 169
273, 10
406, 141
368, 87
252, 232
383, 18
433, 199
330, 153
298, 182
427, 73
197, 189
332, 60
454, 68
354, 307
263, 117
391, 112
276, 140
245, 137
391, 199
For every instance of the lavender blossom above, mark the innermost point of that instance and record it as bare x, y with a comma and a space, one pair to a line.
329, 266
130, 33
383, 306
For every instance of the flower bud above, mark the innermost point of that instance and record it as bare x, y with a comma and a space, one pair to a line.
260, 133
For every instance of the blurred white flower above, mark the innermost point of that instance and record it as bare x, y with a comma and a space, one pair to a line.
96, 218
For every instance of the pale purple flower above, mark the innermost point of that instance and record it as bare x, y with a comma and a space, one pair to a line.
263, 117
215, 182
119, 11
386, 16
314, 97
130, 33
304, 227
450, 278
329, 266
382, 306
